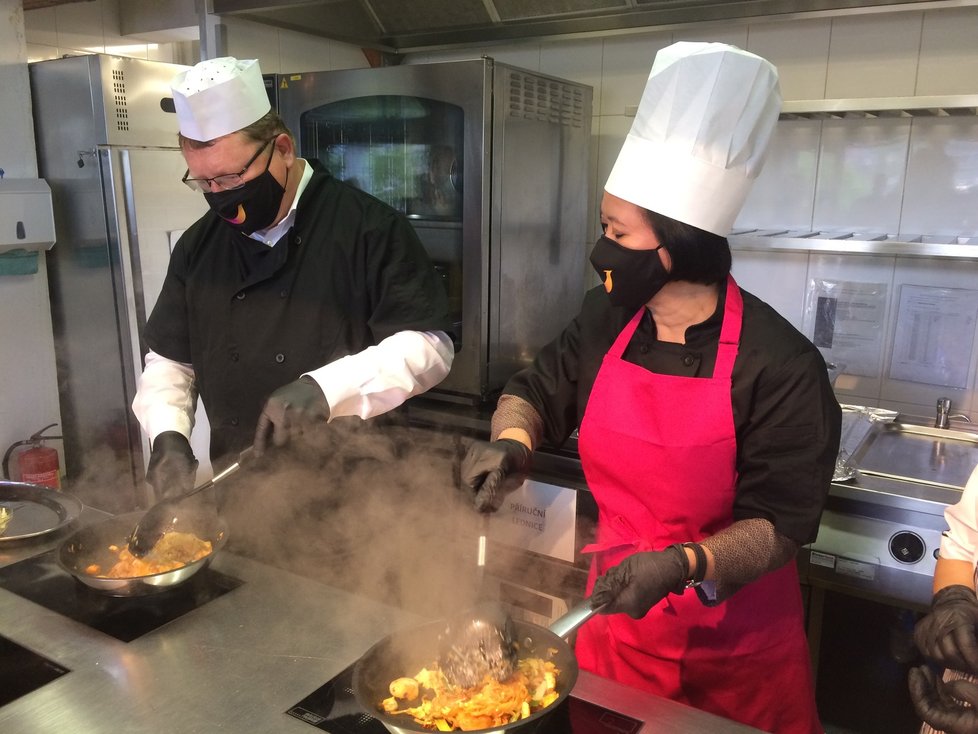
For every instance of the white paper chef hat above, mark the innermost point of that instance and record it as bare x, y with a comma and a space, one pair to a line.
700, 135
219, 96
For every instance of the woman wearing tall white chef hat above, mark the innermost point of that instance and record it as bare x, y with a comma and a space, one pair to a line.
708, 429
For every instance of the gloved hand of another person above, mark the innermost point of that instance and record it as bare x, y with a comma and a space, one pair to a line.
172, 466
640, 582
493, 469
947, 634
288, 412
943, 705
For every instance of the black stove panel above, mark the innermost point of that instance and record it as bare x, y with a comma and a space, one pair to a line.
23, 671
333, 708
41, 580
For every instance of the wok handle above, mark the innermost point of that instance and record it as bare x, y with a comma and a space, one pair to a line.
563, 626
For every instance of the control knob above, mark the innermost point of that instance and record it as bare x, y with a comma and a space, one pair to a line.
907, 547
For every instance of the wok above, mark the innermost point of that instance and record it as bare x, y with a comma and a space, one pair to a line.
405, 652
90, 545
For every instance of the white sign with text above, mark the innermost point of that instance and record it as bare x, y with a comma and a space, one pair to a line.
538, 517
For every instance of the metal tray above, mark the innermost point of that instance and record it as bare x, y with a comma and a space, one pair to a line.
37, 510
934, 456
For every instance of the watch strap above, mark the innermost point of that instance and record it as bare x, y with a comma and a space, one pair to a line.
696, 577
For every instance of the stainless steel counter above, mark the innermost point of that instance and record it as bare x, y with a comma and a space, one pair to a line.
236, 663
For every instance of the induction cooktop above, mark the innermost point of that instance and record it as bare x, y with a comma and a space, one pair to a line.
41, 580
333, 708
23, 671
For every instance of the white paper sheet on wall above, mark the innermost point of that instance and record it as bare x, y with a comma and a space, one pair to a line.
935, 331
844, 319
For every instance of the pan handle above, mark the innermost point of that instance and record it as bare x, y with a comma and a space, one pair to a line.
563, 626
243, 457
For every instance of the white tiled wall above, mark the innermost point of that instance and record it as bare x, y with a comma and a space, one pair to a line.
90, 27
907, 176
93, 27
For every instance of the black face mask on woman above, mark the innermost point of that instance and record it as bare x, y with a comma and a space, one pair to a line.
250, 207
631, 277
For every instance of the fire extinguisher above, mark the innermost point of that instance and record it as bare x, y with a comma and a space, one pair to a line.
39, 464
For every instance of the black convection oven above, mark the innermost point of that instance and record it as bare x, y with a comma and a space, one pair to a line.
489, 162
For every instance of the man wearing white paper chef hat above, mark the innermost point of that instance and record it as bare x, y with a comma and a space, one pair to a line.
218, 97
708, 429
295, 300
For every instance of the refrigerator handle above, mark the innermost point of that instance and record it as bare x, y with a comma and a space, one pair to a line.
123, 247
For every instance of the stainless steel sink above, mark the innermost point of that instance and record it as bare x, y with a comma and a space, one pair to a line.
939, 457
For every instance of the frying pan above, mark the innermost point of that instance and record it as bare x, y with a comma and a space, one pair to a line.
90, 545
405, 652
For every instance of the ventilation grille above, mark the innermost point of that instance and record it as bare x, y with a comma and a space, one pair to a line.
548, 100
120, 100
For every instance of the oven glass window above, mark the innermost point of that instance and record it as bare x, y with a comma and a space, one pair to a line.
408, 152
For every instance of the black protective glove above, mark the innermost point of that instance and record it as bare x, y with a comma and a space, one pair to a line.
172, 466
289, 411
947, 635
942, 705
493, 469
640, 582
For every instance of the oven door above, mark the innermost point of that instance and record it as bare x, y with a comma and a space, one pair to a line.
415, 137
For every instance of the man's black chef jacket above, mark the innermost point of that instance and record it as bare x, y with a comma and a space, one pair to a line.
786, 417
251, 318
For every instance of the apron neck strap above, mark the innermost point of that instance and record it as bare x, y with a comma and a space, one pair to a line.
733, 313
618, 348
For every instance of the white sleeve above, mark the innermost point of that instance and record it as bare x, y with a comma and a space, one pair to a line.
165, 396
382, 377
960, 540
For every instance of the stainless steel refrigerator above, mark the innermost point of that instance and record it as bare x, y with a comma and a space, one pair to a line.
107, 146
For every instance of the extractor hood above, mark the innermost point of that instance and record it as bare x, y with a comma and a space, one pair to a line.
414, 25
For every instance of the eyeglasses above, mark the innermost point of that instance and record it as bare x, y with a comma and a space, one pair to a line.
227, 181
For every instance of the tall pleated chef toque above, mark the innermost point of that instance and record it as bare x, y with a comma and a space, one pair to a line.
700, 136
219, 96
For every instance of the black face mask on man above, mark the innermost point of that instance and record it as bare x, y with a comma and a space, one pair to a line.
631, 277
251, 206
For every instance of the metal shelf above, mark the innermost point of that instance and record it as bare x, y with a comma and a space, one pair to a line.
868, 243
949, 105
856, 243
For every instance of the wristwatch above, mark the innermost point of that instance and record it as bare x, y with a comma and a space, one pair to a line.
691, 579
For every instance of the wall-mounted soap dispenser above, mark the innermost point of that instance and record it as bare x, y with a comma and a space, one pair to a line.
26, 224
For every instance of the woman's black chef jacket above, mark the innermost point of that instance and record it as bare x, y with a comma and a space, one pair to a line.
251, 318
785, 414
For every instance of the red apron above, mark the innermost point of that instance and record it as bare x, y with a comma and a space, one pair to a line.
659, 454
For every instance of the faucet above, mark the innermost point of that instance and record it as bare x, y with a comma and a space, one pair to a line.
944, 416
943, 413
